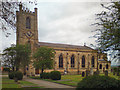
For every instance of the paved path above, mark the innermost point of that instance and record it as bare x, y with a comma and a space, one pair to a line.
48, 84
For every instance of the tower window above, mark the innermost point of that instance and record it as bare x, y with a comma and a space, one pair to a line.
83, 61
92, 61
28, 26
61, 61
72, 61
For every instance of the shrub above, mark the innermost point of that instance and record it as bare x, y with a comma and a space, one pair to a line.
45, 75
6, 69
11, 75
55, 75
17, 75
97, 81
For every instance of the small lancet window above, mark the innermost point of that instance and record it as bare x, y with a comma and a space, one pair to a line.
83, 61
93, 61
28, 24
61, 61
72, 61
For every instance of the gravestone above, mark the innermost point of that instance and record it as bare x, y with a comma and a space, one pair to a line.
113, 72
91, 71
106, 73
118, 74
83, 74
87, 73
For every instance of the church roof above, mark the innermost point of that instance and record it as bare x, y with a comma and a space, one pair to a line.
57, 45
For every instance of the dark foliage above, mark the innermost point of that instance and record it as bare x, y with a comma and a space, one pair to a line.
108, 29
17, 75
11, 75
55, 75
6, 69
45, 75
97, 81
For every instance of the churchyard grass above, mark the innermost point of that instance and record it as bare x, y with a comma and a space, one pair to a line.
71, 79
9, 83
111, 75
65, 79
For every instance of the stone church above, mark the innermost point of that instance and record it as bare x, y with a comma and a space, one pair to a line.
71, 59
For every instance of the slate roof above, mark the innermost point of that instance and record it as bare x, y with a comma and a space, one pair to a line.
101, 60
57, 45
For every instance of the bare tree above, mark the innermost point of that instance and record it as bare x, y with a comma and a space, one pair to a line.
8, 14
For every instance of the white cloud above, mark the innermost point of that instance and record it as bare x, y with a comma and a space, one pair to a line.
65, 22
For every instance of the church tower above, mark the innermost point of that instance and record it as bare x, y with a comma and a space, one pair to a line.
27, 29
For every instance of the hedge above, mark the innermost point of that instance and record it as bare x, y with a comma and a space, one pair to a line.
97, 81
16, 74
55, 75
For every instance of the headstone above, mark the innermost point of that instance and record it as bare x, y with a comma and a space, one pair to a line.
106, 73
118, 74
118, 71
91, 71
87, 73
113, 72
65, 72
83, 74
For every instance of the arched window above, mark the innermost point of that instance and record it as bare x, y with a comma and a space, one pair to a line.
72, 61
100, 66
61, 61
28, 23
83, 61
107, 66
93, 61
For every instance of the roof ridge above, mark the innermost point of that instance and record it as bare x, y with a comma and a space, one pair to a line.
64, 45
60, 44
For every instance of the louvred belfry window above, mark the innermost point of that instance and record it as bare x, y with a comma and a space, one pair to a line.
28, 24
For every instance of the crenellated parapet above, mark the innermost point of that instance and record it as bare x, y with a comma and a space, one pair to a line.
26, 10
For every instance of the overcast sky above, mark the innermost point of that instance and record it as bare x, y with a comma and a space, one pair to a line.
63, 21
67, 22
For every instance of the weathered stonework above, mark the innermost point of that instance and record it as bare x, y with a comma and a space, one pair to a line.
25, 35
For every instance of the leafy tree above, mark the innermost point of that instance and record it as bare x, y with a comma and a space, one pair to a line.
43, 58
108, 31
9, 57
17, 56
22, 56
8, 14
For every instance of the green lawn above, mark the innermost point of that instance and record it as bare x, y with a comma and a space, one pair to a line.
8, 83
68, 79
71, 79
